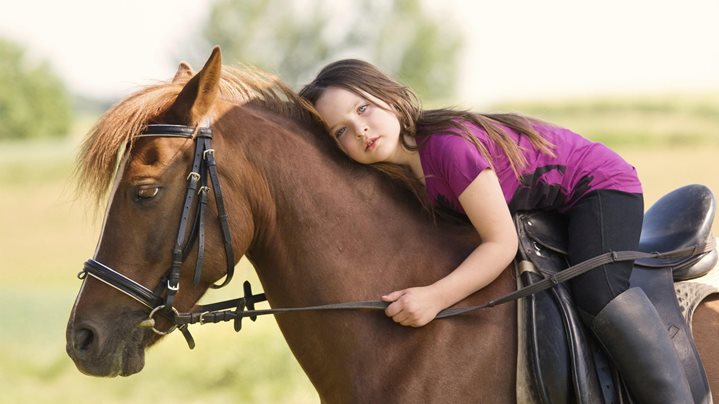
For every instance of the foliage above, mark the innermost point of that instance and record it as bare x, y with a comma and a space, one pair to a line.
296, 38
33, 102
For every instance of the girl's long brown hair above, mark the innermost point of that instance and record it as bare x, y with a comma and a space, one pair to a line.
361, 77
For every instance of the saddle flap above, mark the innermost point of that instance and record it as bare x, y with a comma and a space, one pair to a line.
560, 363
542, 229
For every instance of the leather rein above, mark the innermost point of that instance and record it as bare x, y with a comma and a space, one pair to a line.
204, 171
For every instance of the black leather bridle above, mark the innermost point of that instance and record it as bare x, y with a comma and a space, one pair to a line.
161, 300
204, 171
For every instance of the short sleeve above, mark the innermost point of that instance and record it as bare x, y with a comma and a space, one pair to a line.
459, 162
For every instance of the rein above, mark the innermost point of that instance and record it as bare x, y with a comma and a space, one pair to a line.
204, 172
218, 312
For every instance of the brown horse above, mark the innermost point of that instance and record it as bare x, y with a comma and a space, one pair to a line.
318, 229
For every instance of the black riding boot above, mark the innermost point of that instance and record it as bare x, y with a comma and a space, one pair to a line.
635, 338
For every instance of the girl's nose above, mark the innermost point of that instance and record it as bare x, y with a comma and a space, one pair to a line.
362, 132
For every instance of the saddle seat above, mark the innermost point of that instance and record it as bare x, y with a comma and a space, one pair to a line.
682, 218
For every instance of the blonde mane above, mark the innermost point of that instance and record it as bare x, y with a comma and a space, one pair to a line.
115, 132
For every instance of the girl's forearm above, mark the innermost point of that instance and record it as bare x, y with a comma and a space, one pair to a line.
478, 270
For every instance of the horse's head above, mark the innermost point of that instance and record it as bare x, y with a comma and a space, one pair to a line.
151, 236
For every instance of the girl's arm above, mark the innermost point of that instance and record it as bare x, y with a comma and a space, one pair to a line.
486, 208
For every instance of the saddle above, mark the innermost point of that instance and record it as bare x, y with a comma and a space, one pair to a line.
559, 361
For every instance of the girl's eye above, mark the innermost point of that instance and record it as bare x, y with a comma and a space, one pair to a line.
144, 194
362, 108
340, 132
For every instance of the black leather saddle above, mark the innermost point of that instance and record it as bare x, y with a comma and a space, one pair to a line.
559, 359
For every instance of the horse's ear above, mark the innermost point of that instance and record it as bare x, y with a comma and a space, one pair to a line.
198, 95
184, 73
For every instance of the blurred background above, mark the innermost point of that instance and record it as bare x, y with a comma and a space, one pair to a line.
641, 76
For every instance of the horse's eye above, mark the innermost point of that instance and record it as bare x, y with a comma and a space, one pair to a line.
147, 193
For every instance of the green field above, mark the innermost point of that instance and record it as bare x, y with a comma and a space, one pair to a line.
46, 234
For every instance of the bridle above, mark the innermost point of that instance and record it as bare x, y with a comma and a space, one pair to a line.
204, 171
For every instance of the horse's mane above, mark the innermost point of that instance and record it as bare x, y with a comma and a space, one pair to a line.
116, 130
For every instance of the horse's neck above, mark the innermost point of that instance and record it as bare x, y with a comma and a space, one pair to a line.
332, 231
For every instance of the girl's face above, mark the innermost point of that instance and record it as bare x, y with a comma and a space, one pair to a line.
365, 128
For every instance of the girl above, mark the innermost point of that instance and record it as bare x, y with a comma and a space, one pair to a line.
487, 166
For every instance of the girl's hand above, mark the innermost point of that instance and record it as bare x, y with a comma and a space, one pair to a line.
413, 307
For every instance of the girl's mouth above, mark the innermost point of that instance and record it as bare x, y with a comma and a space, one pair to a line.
371, 144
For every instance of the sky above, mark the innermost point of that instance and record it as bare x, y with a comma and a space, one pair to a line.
514, 49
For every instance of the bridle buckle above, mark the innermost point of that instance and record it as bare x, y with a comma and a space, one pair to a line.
202, 317
194, 176
174, 288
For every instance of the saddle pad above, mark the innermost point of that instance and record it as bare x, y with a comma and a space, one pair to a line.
691, 293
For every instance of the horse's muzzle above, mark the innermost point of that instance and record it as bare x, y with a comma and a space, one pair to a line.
98, 351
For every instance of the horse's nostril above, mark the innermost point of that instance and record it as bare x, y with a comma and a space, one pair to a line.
83, 339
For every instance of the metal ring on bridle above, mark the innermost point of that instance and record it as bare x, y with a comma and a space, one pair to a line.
152, 314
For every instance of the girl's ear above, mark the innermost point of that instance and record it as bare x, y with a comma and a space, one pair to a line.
198, 95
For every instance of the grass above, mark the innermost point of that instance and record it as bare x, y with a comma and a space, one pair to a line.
46, 235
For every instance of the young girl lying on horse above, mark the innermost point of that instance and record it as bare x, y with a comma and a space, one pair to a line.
488, 166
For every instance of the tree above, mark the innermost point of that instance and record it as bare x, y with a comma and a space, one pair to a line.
296, 38
33, 102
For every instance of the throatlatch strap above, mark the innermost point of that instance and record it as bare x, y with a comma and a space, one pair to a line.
202, 206
221, 215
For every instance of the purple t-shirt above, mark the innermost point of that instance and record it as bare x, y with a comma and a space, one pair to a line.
451, 163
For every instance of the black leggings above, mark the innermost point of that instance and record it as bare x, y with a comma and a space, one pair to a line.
602, 221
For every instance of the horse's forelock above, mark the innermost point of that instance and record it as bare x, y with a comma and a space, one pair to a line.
116, 130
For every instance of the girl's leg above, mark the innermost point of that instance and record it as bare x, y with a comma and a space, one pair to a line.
600, 222
624, 320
